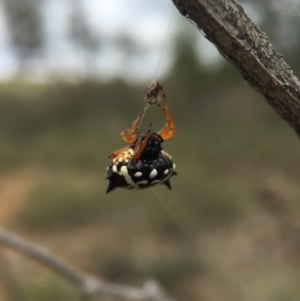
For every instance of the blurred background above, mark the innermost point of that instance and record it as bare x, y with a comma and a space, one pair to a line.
73, 76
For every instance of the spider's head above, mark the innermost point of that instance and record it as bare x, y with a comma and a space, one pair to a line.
152, 147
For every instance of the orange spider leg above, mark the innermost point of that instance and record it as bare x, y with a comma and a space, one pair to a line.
140, 145
114, 154
128, 134
169, 129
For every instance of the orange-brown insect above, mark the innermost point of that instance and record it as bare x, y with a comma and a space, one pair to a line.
143, 163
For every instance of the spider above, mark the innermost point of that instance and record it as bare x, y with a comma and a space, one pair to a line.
143, 163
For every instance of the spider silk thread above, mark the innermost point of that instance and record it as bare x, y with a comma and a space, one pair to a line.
165, 40
160, 59
169, 210
186, 233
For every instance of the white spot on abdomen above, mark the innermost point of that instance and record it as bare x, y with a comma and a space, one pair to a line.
142, 182
138, 174
124, 173
153, 174
155, 181
166, 171
114, 168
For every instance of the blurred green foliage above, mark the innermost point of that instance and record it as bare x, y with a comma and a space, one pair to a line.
59, 201
50, 290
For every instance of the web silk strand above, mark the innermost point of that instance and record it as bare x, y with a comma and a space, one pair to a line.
165, 41
159, 61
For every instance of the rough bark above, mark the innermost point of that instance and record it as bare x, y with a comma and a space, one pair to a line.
247, 48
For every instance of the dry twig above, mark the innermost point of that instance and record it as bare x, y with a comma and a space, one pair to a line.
89, 285
247, 48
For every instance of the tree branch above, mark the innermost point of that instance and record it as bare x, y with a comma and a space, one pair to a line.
89, 285
246, 47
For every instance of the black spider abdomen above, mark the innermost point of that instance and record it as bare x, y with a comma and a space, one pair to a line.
141, 173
